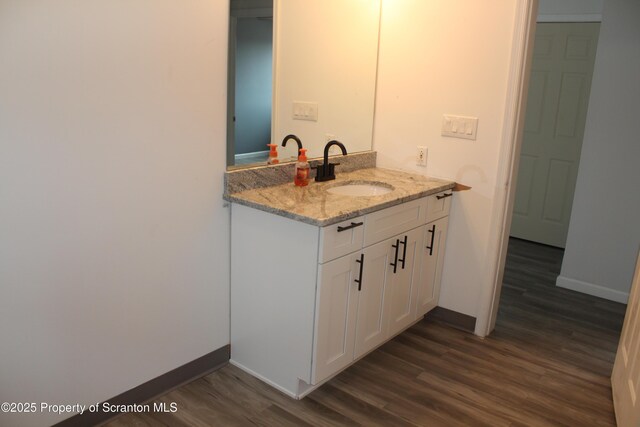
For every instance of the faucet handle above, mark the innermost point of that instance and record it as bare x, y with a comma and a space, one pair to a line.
325, 172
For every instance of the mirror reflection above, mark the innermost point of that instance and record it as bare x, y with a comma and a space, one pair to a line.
250, 80
303, 67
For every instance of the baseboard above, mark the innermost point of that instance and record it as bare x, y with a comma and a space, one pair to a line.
453, 318
565, 17
155, 387
591, 289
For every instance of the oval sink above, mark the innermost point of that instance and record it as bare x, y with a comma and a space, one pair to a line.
359, 189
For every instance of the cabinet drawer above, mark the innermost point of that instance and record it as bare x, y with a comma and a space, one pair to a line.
438, 205
340, 239
394, 220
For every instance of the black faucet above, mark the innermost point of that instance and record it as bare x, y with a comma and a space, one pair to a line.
326, 171
295, 138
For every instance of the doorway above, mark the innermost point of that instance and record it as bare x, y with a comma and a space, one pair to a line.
556, 111
521, 81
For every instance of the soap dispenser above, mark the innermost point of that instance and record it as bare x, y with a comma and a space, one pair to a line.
273, 154
302, 169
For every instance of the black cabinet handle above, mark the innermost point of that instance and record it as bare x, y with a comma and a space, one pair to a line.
349, 227
404, 251
394, 264
444, 196
433, 235
359, 280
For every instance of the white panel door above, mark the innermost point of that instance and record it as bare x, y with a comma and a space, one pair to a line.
625, 379
336, 306
432, 252
558, 98
402, 283
371, 325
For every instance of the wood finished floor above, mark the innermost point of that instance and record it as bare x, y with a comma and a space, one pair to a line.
548, 362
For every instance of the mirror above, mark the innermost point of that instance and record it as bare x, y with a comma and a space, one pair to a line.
324, 59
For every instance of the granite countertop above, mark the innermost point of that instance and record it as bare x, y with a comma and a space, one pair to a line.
314, 205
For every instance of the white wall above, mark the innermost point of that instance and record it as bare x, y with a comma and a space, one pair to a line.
604, 235
442, 57
570, 10
113, 238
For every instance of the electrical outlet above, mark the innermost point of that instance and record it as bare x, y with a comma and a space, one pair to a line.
421, 155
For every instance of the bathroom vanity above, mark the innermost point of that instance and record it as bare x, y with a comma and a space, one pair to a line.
319, 278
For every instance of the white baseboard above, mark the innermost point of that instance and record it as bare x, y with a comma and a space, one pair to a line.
586, 17
591, 289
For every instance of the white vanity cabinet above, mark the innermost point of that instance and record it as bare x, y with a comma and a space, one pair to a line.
336, 308
372, 317
405, 282
328, 295
364, 299
431, 267
433, 248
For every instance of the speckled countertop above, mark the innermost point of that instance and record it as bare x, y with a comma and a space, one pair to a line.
314, 205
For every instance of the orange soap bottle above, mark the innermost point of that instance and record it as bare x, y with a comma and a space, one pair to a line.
302, 169
273, 154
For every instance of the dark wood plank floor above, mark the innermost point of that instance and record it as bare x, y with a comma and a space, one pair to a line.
547, 363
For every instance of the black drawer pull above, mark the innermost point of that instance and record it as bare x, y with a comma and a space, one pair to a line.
359, 280
433, 235
404, 251
349, 227
394, 264
444, 196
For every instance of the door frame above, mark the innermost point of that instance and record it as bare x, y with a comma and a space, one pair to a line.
508, 162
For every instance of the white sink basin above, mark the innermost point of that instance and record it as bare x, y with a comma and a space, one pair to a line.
360, 189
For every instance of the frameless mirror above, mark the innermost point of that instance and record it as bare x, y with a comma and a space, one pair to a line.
307, 68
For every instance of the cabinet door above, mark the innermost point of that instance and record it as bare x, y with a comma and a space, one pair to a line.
432, 253
336, 306
372, 327
401, 306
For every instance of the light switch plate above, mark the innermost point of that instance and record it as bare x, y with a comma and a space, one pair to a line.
305, 111
459, 126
